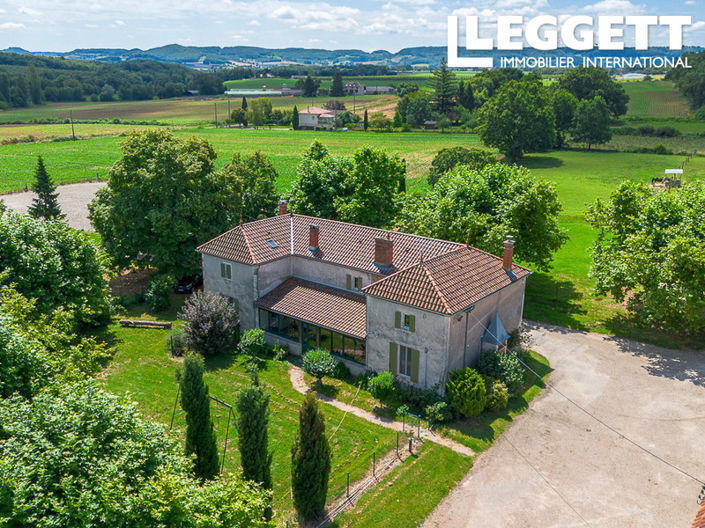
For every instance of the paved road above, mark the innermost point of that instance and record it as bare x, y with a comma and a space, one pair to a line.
73, 199
557, 467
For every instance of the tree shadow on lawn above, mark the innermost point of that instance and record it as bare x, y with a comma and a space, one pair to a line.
627, 325
553, 300
541, 162
220, 361
682, 365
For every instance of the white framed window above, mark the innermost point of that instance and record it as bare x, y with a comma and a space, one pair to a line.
405, 322
404, 361
226, 271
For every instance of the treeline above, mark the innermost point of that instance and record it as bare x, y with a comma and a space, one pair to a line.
29, 80
691, 81
328, 71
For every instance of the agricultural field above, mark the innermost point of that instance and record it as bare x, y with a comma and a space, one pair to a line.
29, 133
655, 98
143, 369
180, 111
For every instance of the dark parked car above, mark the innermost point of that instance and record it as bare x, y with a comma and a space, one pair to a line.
189, 284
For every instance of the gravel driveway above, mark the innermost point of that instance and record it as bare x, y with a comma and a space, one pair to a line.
73, 199
557, 467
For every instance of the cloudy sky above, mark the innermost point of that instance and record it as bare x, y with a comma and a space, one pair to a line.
364, 24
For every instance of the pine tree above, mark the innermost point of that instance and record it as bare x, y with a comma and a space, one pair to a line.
365, 122
309, 87
252, 421
200, 435
244, 103
310, 461
337, 88
35, 86
295, 119
443, 88
398, 121
46, 204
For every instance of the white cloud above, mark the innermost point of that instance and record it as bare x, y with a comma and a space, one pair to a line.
690, 2
695, 26
29, 11
12, 25
119, 23
317, 17
253, 23
615, 7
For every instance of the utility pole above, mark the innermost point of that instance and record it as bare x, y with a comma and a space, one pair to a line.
215, 108
73, 133
229, 114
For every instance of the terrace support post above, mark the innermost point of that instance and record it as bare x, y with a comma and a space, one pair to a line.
397, 444
374, 464
348, 486
227, 431
411, 440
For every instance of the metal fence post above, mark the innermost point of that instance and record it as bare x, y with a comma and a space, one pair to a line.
374, 464
397, 444
348, 492
410, 442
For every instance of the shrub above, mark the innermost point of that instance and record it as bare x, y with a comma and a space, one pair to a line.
439, 412
505, 368
157, 293
279, 352
252, 343
341, 372
449, 158
177, 343
661, 149
319, 363
667, 131
403, 410
211, 323
646, 130
467, 390
497, 394
381, 385
418, 399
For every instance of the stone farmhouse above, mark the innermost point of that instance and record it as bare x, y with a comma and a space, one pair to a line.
315, 118
356, 88
378, 300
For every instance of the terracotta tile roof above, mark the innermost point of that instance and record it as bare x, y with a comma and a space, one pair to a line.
429, 273
699, 521
315, 110
320, 305
448, 283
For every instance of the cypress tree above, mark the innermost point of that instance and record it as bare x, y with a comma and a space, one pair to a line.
35, 86
244, 103
365, 121
309, 87
337, 88
252, 420
310, 461
295, 119
200, 435
45, 206
443, 87
466, 98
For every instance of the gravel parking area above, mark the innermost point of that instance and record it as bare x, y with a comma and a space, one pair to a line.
73, 199
557, 467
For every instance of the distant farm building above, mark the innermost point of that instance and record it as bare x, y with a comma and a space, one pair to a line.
356, 88
315, 118
284, 91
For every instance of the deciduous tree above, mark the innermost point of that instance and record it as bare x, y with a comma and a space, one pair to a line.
564, 105
591, 122
589, 82
253, 184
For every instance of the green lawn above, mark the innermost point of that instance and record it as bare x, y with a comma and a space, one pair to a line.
410, 492
655, 98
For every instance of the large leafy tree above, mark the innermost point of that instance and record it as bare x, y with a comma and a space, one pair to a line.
450, 157
519, 118
45, 206
444, 88
253, 178
310, 461
564, 105
163, 199
57, 267
195, 401
590, 82
415, 108
79, 456
591, 122
253, 441
483, 207
359, 189
650, 250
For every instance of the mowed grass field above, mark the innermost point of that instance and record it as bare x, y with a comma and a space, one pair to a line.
179, 111
44, 132
655, 98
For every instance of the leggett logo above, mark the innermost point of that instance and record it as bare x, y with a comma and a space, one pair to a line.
579, 33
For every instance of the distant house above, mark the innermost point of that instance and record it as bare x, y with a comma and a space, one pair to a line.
378, 300
430, 125
355, 88
316, 118
379, 90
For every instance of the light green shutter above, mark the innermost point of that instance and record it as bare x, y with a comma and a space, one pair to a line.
349, 282
397, 319
414, 365
393, 358
412, 323
222, 269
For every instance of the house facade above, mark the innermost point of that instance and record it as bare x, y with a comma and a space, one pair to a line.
378, 300
315, 118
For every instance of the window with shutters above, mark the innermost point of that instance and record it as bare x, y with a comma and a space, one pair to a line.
405, 321
353, 283
404, 361
226, 271
358, 284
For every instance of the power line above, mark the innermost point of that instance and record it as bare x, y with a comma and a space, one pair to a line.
506, 438
608, 426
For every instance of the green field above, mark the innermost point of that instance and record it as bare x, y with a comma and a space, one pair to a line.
655, 98
181, 111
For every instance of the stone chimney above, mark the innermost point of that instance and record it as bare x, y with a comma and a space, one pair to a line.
313, 238
283, 207
383, 252
508, 253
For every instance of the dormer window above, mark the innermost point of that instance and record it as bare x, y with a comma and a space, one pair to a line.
272, 243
